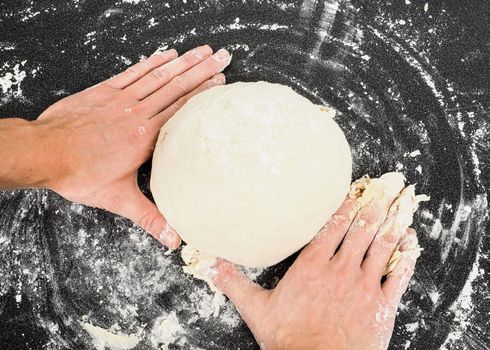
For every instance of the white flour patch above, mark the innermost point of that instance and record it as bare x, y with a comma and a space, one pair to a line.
103, 338
6, 46
235, 47
415, 153
463, 307
223, 28
166, 330
11, 77
124, 60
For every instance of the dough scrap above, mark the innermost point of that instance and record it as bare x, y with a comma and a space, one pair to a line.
103, 338
367, 190
200, 266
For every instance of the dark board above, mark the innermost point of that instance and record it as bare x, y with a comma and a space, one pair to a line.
411, 82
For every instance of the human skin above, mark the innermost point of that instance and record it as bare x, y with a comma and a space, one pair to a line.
333, 297
88, 147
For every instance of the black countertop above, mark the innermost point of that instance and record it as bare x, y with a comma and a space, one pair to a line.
411, 82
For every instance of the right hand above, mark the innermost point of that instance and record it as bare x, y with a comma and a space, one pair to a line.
332, 296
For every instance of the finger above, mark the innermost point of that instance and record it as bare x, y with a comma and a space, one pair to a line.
249, 298
138, 70
161, 75
377, 197
323, 246
397, 280
161, 118
145, 214
184, 83
399, 218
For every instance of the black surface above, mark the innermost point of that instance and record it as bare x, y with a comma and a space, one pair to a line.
404, 75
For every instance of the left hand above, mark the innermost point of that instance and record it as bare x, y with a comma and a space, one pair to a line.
102, 135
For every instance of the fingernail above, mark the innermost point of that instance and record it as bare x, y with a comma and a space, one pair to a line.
218, 79
222, 55
201, 51
197, 53
172, 53
169, 237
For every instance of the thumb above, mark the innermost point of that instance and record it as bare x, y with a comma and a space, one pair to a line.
249, 298
145, 214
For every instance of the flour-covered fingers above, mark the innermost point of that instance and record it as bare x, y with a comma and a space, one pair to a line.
162, 117
184, 83
400, 217
248, 297
376, 199
397, 280
321, 249
135, 72
161, 75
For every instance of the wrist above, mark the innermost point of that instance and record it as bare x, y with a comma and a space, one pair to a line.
28, 153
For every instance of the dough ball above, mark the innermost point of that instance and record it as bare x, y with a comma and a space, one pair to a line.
250, 171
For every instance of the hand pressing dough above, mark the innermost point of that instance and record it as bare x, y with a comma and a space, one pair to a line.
250, 171
406, 204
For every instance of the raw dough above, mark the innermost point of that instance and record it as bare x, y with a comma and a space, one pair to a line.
367, 190
200, 266
250, 171
104, 339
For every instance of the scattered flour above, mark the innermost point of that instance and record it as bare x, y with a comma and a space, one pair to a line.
12, 79
200, 266
166, 330
102, 338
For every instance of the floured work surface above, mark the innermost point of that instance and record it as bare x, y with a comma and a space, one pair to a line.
410, 82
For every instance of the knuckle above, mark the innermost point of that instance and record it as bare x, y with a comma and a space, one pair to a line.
212, 82
132, 71
181, 83
344, 268
339, 220
366, 219
149, 221
158, 74
138, 110
179, 103
188, 58
388, 239
174, 107
159, 58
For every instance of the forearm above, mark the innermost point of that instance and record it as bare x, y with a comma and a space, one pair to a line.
27, 155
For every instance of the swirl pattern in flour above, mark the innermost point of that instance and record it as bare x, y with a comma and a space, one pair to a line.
402, 76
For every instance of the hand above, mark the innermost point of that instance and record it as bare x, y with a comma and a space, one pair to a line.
333, 297
102, 135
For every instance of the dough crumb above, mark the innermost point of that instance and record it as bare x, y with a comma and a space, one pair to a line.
200, 266
103, 338
367, 190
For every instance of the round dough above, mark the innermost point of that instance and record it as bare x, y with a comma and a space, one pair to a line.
250, 171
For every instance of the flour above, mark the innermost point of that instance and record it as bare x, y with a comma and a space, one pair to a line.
331, 65
11, 77
103, 339
415, 153
166, 330
463, 307
201, 266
